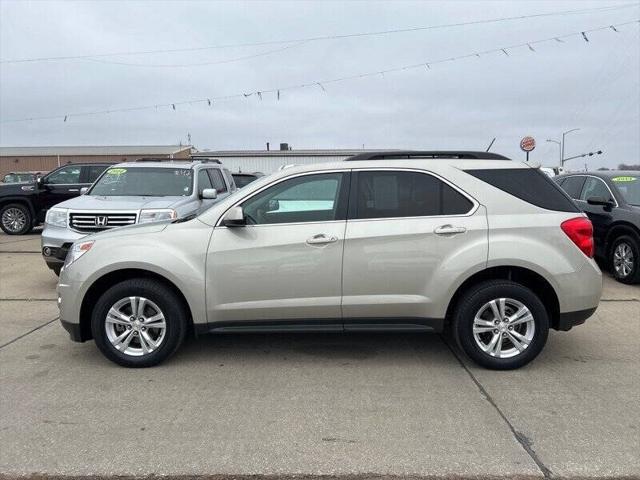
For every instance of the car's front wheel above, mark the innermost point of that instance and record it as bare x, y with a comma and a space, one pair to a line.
139, 323
16, 219
625, 259
501, 324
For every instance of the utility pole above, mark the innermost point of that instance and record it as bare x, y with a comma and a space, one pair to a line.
562, 159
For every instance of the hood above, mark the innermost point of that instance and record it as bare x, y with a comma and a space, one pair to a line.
95, 202
138, 229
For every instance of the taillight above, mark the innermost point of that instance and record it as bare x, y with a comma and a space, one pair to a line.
580, 231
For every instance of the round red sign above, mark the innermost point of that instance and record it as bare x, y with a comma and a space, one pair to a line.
527, 144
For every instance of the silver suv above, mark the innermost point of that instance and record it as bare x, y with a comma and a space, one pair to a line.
471, 242
130, 193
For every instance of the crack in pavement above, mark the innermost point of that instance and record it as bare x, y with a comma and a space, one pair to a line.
28, 333
30, 252
521, 438
27, 299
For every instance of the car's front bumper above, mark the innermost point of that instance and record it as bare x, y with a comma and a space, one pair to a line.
56, 242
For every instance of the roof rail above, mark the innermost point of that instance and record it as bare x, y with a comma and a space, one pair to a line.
206, 160
409, 154
152, 159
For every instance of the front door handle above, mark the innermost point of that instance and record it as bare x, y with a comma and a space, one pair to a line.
74, 189
449, 230
321, 239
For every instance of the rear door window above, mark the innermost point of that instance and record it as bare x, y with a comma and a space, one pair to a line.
395, 194
573, 186
528, 184
92, 172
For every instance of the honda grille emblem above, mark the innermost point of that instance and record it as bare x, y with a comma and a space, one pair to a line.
102, 221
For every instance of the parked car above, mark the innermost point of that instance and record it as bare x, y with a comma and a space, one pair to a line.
611, 199
244, 179
130, 193
488, 248
20, 177
24, 206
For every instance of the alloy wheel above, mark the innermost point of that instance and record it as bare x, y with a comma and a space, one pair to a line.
135, 326
623, 259
503, 328
14, 219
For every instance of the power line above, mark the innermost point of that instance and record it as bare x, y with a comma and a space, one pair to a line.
322, 83
322, 38
219, 62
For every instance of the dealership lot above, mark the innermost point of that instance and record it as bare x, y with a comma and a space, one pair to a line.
310, 404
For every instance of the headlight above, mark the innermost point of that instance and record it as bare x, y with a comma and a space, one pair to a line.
56, 217
77, 250
156, 214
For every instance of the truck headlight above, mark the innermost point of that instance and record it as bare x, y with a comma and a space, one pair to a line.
76, 251
157, 214
56, 217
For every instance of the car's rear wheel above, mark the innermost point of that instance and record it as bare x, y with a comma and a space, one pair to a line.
139, 323
16, 219
625, 259
501, 324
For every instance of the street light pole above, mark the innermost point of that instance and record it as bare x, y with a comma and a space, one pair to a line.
562, 160
559, 147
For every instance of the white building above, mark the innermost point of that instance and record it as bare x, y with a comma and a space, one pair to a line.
269, 161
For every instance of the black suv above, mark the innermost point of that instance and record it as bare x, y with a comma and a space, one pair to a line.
23, 206
611, 199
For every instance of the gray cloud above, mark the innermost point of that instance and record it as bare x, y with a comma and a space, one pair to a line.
463, 104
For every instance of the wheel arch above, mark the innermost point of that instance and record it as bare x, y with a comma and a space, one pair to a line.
524, 276
116, 276
21, 200
618, 229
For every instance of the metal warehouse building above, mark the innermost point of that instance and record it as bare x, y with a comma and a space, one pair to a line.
269, 161
43, 159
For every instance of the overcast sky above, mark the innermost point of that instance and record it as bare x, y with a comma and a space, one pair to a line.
593, 86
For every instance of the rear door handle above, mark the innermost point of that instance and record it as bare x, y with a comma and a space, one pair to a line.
449, 230
321, 239
74, 189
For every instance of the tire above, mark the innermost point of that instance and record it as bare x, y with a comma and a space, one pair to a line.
159, 299
16, 219
531, 335
625, 247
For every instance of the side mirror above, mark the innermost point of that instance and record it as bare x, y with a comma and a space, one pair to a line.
84, 190
234, 218
273, 205
209, 194
600, 201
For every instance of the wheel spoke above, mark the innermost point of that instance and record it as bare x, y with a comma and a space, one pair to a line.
521, 343
149, 344
134, 305
142, 302
123, 340
117, 317
483, 329
497, 315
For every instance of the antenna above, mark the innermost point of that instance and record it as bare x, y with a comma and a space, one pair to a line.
489, 147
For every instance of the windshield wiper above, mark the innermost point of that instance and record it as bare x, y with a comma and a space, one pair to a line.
185, 219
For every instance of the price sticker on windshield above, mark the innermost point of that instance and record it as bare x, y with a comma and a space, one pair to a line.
116, 171
624, 179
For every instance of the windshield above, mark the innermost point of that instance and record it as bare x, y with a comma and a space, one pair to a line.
144, 182
629, 187
244, 180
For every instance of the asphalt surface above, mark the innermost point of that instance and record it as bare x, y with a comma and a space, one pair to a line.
309, 405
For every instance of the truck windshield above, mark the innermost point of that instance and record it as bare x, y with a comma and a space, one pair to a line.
144, 182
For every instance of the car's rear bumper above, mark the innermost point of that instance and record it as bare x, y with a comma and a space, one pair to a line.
568, 320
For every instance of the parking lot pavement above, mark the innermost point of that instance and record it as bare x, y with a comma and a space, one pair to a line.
313, 404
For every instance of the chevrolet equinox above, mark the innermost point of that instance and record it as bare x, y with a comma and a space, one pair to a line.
488, 249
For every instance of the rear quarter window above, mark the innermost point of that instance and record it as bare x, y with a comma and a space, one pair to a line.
528, 184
